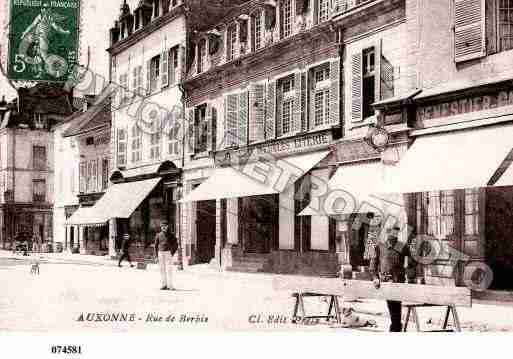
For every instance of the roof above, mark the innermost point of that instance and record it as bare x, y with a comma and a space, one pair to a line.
204, 15
44, 98
97, 116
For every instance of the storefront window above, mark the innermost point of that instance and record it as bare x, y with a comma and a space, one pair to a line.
137, 226
156, 204
471, 212
441, 214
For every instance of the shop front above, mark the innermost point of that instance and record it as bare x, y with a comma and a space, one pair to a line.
135, 204
249, 204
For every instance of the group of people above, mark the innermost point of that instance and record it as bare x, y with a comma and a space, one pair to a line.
166, 248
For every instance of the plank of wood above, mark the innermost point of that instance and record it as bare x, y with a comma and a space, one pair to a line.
351, 289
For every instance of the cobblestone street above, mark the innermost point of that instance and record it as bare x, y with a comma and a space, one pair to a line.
66, 290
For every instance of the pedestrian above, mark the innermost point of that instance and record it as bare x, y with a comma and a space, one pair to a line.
387, 265
125, 245
166, 246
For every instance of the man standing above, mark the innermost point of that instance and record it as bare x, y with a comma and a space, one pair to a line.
166, 246
125, 245
387, 265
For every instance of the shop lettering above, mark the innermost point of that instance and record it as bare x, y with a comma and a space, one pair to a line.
466, 105
295, 144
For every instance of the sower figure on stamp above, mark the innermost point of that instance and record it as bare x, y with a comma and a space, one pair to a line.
166, 246
125, 245
387, 265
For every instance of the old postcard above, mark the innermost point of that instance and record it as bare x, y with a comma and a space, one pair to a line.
334, 166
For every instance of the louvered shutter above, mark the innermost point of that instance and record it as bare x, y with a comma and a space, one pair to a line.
377, 70
270, 112
148, 77
387, 79
231, 106
172, 69
213, 130
256, 113
164, 70
191, 133
243, 118
335, 92
309, 106
181, 63
278, 109
356, 87
304, 108
315, 12
134, 81
296, 111
469, 30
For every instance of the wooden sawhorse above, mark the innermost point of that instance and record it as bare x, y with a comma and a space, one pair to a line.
299, 307
412, 311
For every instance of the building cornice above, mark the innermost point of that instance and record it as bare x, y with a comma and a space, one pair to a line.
147, 30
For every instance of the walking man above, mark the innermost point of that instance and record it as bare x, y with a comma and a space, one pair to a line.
166, 246
387, 265
125, 245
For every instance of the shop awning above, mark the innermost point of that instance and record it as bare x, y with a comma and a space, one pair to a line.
120, 201
454, 160
354, 189
255, 178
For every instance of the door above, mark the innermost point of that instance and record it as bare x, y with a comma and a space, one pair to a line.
205, 230
257, 221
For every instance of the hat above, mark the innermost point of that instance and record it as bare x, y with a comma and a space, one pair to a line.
164, 222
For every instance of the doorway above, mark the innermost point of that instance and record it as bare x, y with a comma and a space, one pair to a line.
205, 231
258, 223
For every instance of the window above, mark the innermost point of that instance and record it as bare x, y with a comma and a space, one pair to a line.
286, 103
231, 121
202, 54
285, 18
137, 80
369, 90
94, 176
173, 64
39, 190
471, 212
154, 72
39, 157
321, 96
155, 137
201, 123
173, 143
123, 91
232, 42
121, 147
82, 174
136, 144
256, 30
89, 176
286, 117
39, 122
105, 174
440, 214
505, 25
323, 10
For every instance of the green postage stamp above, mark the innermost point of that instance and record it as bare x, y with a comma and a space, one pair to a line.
43, 39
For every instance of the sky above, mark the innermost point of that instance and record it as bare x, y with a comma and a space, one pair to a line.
97, 18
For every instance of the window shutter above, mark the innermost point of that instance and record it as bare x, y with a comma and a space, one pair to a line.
210, 133
148, 77
304, 108
356, 87
231, 107
134, 81
191, 133
213, 126
256, 113
309, 105
164, 77
315, 12
279, 109
296, 115
377, 70
270, 112
181, 63
469, 30
335, 92
243, 118
172, 69
387, 79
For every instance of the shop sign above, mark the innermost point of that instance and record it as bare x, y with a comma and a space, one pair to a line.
465, 105
43, 39
281, 147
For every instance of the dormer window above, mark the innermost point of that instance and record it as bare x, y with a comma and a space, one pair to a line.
39, 123
285, 18
232, 42
137, 21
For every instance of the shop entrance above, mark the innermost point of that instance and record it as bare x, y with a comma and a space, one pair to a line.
258, 223
205, 230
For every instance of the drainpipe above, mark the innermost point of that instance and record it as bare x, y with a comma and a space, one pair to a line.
179, 205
